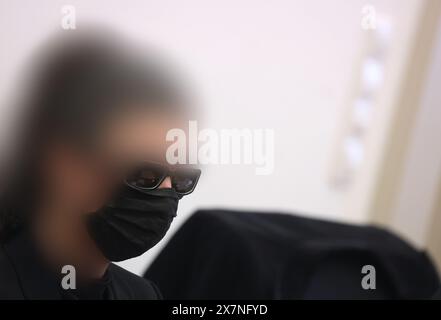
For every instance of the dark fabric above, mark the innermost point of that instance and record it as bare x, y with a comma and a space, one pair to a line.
97, 290
23, 275
220, 254
437, 295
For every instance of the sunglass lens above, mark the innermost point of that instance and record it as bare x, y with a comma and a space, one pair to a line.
184, 181
146, 178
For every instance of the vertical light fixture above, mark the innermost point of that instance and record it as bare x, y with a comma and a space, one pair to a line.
351, 148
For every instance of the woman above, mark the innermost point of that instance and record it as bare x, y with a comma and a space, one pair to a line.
90, 183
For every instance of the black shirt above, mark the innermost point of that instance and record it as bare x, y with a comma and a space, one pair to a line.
23, 275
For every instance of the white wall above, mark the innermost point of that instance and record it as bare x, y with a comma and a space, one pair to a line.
414, 207
286, 65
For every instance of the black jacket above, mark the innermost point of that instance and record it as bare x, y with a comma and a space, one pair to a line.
223, 254
23, 276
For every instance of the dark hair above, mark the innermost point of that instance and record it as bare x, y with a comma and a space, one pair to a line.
79, 80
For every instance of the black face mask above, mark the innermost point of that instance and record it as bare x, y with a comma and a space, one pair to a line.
133, 222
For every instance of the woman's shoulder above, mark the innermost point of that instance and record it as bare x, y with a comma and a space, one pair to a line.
131, 286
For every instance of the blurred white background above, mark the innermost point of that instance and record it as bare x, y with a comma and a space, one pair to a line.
298, 67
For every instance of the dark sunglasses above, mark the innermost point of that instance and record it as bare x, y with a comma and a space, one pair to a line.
150, 175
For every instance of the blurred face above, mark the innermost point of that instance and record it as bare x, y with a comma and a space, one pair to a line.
85, 179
